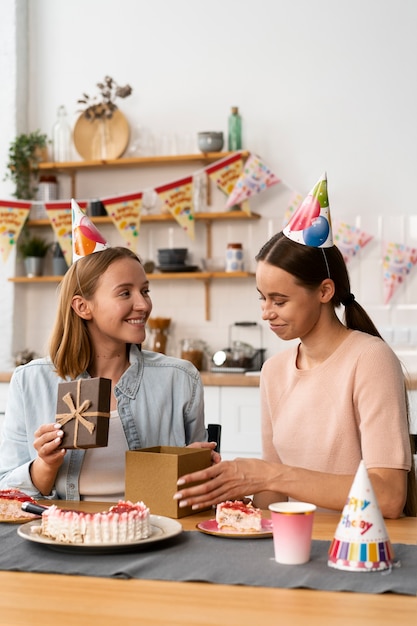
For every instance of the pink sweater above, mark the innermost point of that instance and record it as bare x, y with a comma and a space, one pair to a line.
328, 418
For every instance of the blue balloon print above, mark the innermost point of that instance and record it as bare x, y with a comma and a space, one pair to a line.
317, 233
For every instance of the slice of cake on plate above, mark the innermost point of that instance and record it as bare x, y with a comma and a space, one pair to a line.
11, 501
124, 522
236, 516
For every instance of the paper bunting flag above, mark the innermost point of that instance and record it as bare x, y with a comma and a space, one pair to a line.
59, 214
177, 198
86, 238
311, 224
256, 177
361, 542
398, 261
125, 212
13, 215
226, 173
349, 239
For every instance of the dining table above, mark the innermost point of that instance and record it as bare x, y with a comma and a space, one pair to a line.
52, 599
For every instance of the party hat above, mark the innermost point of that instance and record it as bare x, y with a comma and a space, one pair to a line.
311, 224
361, 542
86, 239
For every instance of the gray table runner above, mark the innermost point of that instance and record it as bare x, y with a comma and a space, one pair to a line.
193, 556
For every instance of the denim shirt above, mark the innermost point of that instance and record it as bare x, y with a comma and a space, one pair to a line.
159, 399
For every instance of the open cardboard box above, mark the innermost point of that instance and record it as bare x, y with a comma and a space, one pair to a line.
152, 474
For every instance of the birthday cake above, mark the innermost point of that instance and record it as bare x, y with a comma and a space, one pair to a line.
238, 517
124, 522
11, 501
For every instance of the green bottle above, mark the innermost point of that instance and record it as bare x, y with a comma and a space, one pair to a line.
235, 130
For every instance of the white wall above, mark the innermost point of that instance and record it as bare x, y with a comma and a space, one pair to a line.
322, 85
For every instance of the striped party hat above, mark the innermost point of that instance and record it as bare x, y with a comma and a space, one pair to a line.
361, 542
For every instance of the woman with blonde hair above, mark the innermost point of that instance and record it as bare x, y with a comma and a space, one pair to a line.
103, 307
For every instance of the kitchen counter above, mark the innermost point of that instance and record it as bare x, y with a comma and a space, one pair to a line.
219, 379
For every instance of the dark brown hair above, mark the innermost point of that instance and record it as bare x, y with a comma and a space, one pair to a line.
70, 345
310, 266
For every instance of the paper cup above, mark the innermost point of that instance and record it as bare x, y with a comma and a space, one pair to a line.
292, 527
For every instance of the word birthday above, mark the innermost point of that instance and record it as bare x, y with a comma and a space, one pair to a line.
355, 522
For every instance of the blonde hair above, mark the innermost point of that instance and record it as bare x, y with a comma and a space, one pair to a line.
70, 345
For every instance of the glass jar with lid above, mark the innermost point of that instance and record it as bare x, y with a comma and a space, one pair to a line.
193, 350
234, 258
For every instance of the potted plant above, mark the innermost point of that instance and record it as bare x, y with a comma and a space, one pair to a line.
25, 153
33, 250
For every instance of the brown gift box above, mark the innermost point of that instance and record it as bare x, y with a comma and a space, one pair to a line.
83, 410
152, 474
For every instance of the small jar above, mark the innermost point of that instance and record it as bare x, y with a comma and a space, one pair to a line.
234, 258
193, 350
47, 189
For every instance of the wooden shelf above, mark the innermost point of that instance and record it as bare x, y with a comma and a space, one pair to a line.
151, 276
68, 166
205, 277
165, 217
72, 167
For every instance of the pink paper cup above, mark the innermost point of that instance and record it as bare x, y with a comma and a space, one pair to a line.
292, 527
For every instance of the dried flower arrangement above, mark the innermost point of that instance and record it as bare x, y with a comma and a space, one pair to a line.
103, 105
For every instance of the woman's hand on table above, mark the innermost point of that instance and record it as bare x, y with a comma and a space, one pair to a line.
227, 480
215, 456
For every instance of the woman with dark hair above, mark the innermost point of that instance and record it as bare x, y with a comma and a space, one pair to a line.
103, 307
334, 399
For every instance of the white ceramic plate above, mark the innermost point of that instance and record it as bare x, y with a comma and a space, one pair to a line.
210, 527
162, 528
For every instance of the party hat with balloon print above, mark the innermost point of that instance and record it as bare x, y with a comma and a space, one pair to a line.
86, 239
311, 224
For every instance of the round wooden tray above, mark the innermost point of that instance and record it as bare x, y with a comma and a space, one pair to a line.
89, 137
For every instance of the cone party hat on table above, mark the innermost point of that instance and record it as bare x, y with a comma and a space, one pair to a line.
311, 224
361, 542
86, 239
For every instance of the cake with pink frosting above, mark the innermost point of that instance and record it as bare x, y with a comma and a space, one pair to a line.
11, 501
124, 522
236, 516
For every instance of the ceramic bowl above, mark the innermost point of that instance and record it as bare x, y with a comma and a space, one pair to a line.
172, 256
210, 141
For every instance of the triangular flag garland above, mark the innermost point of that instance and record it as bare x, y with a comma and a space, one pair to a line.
361, 542
125, 212
177, 198
59, 214
255, 178
13, 215
397, 261
350, 239
226, 173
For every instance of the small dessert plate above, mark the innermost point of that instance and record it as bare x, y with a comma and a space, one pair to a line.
210, 527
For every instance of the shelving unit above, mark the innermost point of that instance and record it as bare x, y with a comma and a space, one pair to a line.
73, 167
